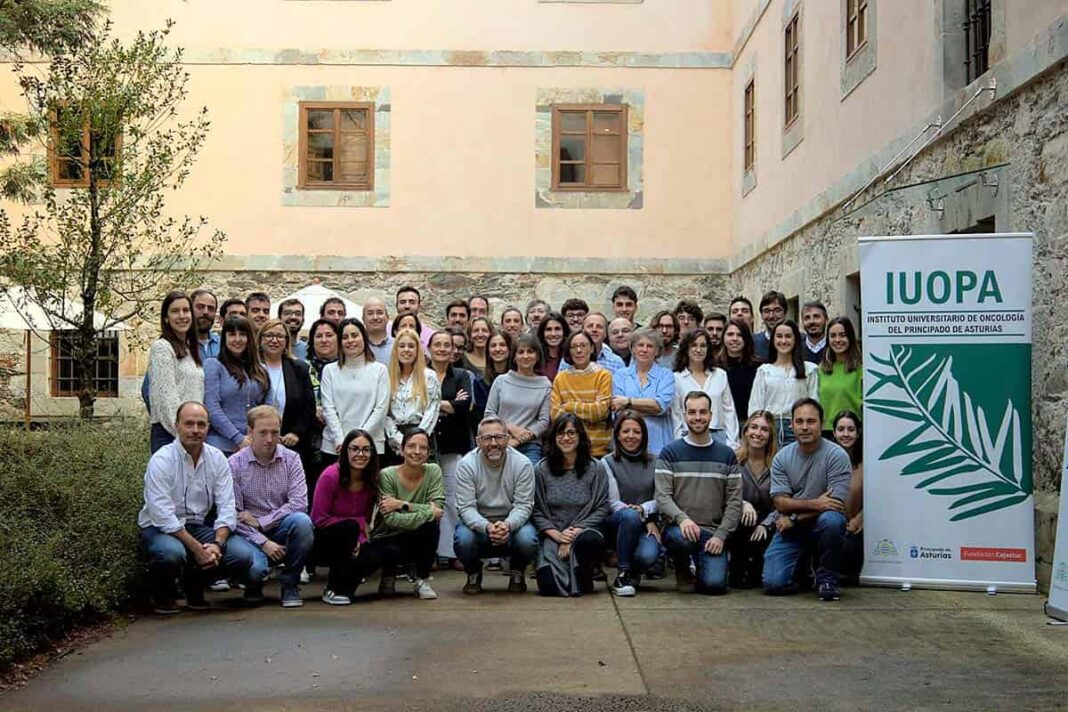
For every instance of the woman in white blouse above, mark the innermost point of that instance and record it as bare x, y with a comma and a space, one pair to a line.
787, 378
354, 391
175, 374
415, 395
695, 370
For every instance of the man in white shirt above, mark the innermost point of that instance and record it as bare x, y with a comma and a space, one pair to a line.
183, 481
376, 319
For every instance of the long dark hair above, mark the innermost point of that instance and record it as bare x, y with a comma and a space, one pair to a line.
852, 354
748, 350
553, 316
369, 475
491, 372
682, 356
555, 456
368, 354
856, 453
531, 342
617, 448
247, 365
797, 356
190, 346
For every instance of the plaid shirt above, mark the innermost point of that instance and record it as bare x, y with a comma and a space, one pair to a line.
267, 493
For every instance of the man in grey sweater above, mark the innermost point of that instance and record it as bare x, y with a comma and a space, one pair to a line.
494, 498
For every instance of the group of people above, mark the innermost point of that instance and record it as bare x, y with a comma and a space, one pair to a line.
553, 439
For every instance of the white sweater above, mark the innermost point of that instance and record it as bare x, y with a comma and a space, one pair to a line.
354, 396
171, 382
775, 389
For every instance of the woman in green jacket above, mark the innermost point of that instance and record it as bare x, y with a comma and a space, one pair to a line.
841, 375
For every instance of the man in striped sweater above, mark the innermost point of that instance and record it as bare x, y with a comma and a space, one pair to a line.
699, 488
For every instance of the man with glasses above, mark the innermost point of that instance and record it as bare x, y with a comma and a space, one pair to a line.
494, 499
773, 313
291, 312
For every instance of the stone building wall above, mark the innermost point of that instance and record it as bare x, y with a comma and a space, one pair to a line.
1021, 139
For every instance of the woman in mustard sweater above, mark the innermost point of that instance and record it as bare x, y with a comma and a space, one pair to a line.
841, 375
585, 390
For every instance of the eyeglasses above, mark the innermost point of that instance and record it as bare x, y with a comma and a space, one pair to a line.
493, 438
359, 450
274, 337
772, 311
567, 434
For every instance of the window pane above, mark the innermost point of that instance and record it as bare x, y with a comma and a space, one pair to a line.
573, 121
69, 169
320, 145
606, 175
606, 148
354, 172
572, 173
320, 171
353, 148
354, 120
607, 121
320, 118
572, 148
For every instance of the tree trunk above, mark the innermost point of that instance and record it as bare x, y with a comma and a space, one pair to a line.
86, 361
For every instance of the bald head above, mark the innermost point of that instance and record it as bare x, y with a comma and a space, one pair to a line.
375, 317
619, 331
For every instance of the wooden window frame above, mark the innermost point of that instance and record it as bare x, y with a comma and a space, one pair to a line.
978, 30
856, 26
302, 144
54, 158
792, 70
749, 126
624, 134
55, 357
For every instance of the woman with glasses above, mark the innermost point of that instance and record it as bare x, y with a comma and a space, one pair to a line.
570, 503
355, 391
345, 497
234, 383
585, 391
291, 388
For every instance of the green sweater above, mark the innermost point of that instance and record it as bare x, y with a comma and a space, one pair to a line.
431, 489
840, 391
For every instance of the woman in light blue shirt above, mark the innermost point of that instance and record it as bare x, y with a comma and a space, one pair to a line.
647, 388
233, 383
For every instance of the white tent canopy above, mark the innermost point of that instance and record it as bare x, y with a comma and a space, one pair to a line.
20, 310
313, 297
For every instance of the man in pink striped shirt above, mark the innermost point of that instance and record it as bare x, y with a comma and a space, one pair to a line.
271, 497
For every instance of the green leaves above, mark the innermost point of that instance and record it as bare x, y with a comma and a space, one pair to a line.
951, 442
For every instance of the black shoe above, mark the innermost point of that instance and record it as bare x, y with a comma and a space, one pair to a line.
623, 586
253, 594
197, 603
474, 583
165, 606
517, 582
828, 591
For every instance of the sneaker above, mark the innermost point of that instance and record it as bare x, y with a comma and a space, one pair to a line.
474, 583
165, 607
387, 586
494, 565
421, 587
253, 594
305, 577
684, 579
291, 597
335, 599
517, 582
623, 586
220, 586
197, 603
828, 591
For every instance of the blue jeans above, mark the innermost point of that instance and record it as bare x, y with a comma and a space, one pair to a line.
158, 437
295, 532
168, 560
635, 549
826, 534
711, 569
532, 450
471, 547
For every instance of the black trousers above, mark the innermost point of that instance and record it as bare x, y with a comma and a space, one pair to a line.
589, 550
334, 546
417, 547
746, 565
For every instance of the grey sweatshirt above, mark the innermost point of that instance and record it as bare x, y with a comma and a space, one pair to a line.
521, 400
702, 483
485, 494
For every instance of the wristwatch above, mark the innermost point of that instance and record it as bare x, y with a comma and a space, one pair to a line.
793, 518
628, 403
406, 507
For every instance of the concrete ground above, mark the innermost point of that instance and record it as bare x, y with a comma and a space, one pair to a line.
876, 648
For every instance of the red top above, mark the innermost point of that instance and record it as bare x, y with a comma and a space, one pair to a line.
333, 504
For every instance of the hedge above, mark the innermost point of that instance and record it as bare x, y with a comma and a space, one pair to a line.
69, 498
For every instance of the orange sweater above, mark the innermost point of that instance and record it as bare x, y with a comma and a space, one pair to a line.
586, 394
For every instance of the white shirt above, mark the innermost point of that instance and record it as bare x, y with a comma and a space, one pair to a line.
178, 493
724, 416
278, 386
356, 396
405, 409
775, 389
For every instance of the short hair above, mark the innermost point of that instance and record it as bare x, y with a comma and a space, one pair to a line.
290, 302
716, 316
693, 395
182, 406
511, 309
529, 341
625, 291
333, 300
688, 306
473, 297
490, 420
566, 353
802, 402
575, 305
457, 304
201, 292
597, 314
409, 434
535, 302
260, 412
409, 288
743, 300
230, 303
772, 296
649, 335
256, 297
814, 305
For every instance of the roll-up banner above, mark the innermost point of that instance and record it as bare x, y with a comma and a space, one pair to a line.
1057, 605
947, 411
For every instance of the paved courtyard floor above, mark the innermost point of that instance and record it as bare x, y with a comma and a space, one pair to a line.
875, 649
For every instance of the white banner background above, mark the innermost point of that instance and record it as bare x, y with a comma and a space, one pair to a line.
947, 444
1057, 605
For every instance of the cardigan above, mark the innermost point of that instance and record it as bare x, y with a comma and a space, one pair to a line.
354, 396
452, 433
228, 403
299, 414
172, 381
586, 394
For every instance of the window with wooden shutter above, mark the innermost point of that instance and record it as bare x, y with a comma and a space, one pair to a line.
749, 123
856, 25
792, 73
336, 146
69, 154
589, 147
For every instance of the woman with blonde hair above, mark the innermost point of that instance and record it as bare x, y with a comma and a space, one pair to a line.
746, 546
415, 394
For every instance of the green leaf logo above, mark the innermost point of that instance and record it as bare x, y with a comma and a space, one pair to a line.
951, 443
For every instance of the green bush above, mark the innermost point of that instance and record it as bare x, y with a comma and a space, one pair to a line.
68, 528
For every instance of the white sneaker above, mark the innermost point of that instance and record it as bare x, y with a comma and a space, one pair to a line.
422, 588
335, 599
305, 577
220, 586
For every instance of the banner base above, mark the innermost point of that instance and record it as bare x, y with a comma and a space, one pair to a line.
1052, 611
949, 584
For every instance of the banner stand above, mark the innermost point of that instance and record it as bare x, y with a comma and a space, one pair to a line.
1057, 603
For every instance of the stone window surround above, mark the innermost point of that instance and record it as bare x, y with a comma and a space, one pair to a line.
950, 42
793, 134
749, 177
379, 196
544, 196
856, 68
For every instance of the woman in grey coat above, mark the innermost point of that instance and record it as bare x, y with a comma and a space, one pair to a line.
570, 502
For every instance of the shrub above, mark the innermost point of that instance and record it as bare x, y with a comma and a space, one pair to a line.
68, 528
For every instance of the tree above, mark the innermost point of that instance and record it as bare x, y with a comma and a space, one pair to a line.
110, 116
